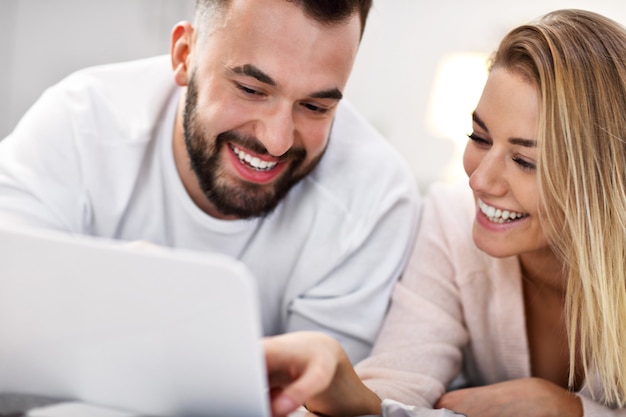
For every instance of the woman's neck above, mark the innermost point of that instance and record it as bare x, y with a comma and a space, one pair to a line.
544, 270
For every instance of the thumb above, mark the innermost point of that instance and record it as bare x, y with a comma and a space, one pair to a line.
283, 405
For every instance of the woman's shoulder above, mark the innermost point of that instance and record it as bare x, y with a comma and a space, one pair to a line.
449, 211
445, 229
452, 203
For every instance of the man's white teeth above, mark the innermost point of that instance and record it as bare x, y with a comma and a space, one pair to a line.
253, 161
498, 216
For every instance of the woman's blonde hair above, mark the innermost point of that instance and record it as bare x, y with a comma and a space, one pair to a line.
577, 60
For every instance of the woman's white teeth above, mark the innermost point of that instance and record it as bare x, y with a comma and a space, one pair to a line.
253, 161
498, 216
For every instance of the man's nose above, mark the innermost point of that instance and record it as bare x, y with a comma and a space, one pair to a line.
277, 130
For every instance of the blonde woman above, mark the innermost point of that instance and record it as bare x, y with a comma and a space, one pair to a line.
519, 280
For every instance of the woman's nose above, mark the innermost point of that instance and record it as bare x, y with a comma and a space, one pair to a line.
489, 176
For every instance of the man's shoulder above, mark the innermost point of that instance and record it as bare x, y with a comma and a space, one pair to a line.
361, 175
156, 66
127, 96
358, 156
120, 84
353, 132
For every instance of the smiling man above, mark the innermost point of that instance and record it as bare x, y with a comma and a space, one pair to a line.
238, 142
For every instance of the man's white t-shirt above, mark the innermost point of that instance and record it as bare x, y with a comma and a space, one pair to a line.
94, 156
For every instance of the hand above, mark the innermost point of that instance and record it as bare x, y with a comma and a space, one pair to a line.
312, 368
527, 397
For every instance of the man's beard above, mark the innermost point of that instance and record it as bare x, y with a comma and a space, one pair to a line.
244, 199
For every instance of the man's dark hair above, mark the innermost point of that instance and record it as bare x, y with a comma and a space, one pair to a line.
323, 11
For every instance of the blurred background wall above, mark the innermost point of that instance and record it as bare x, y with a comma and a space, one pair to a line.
418, 75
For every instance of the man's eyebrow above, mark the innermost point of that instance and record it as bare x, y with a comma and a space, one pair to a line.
528, 143
250, 70
332, 93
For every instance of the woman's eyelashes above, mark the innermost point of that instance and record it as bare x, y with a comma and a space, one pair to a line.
479, 140
525, 164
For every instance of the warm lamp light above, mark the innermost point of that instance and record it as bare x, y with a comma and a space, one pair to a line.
459, 81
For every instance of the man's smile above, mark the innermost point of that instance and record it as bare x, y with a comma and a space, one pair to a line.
252, 161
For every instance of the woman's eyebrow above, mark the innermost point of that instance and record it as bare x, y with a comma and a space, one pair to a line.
479, 121
528, 143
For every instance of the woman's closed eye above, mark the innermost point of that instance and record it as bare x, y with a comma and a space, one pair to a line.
525, 164
478, 140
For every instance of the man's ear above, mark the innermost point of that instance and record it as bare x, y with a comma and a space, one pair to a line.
180, 51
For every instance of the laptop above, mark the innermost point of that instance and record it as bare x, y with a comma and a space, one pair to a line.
148, 330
